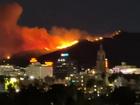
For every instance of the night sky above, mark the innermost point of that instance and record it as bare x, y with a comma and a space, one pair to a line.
93, 16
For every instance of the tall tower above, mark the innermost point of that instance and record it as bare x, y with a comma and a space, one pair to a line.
100, 63
65, 66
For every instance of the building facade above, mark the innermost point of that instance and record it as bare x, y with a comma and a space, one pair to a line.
38, 71
64, 66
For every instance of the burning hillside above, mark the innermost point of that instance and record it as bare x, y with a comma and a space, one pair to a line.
15, 38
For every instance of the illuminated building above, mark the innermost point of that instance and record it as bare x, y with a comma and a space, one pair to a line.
6, 69
10, 75
64, 66
125, 69
39, 71
9, 70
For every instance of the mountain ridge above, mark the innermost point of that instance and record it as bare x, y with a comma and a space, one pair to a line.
124, 47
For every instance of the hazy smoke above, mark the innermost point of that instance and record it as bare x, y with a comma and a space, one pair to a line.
14, 38
11, 40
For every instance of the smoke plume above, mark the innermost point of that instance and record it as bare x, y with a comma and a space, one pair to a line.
15, 38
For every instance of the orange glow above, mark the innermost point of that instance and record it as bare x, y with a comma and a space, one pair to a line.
106, 63
23, 38
8, 57
49, 63
39, 38
67, 44
47, 49
33, 60
101, 38
97, 39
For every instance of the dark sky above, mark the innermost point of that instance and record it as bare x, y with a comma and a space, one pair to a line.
93, 16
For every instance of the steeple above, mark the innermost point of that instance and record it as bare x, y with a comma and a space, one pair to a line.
100, 63
101, 47
101, 54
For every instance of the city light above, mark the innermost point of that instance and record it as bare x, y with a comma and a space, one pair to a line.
21, 78
33, 60
95, 90
95, 85
32, 77
119, 31
17, 90
49, 63
96, 39
71, 75
93, 72
67, 78
101, 38
13, 79
64, 54
82, 76
8, 57
106, 63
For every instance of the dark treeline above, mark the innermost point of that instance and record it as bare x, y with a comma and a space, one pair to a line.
61, 95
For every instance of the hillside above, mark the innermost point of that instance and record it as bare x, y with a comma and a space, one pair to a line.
123, 47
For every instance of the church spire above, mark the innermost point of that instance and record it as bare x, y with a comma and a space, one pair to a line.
100, 63
101, 47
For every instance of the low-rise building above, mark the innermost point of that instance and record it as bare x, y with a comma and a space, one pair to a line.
39, 71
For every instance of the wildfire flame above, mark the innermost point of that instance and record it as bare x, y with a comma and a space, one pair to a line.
66, 44
15, 38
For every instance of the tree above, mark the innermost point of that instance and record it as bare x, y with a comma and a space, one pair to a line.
123, 96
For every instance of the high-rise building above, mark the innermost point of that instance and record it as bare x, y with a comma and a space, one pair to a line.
65, 66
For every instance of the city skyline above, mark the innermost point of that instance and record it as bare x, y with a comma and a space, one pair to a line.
76, 52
